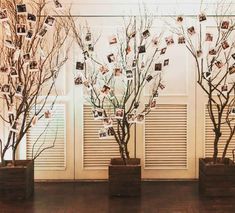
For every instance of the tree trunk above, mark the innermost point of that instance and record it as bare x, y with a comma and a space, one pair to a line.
216, 141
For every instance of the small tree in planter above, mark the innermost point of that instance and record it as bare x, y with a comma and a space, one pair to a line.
114, 87
214, 54
31, 60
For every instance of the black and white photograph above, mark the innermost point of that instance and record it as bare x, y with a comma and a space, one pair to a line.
88, 36
78, 80
21, 8
219, 64
166, 62
3, 15
191, 30
4, 70
149, 78
233, 56
146, 34
21, 29
33, 66
129, 74
5, 89
57, 4
224, 88
80, 65
112, 39
180, 19
158, 67
49, 21
98, 114
103, 133
29, 35
233, 111
13, 72
42, 32
111, 58
231, 69
181, 40
142, 49
202, 17
26, 57
19, 91
119, 113
31, 17
163, 51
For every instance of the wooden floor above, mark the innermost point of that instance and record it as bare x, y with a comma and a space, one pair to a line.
86, 197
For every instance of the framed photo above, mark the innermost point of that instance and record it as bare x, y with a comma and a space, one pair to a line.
131, 118
31, 17
158, 67
21, 29
80, 65
21, 8
5, 89
26, 58
119, 113
181, 40
142, 49
33, 66
78, 80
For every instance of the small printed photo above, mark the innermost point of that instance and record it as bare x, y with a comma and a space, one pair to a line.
169, 40
87, 85
13, 72
90, 47
161, 86
224, 88
42, 32
33, 66
142, 49
88, 36
233, 111
103, 133
21, 8
225, 25
207, 75
149, 78
231, 69
131, 118
103, 70
19, 89
9, 44
86, 55
21, 29
180, 19
140, 118
225, 45
78, 80
117, 72
4, 70
26, 57
233, 56
47, 114
3, 15
80, 65
31, 17
181, 40
98, 114
155, 40
153, 103
110, 132
129, 74
146, 34
57, 4
29, 35
107, 122
119, 113
5, 89
219, 64
111, 58
136, 105
49, 21
202, 17
158, 67
112, 39
163, 51
191, 30
166, 62
105, 90
209, 37
199, 53
212, 51
134, 63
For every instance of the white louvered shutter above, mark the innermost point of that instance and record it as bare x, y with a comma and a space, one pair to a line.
166, 137
209, 138
55, 129
96, 152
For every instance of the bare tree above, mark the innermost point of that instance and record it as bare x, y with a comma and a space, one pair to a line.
33, 51
114, 86
214, 55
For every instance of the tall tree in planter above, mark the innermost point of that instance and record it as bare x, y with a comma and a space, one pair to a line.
214, 55
114, 85
32, 53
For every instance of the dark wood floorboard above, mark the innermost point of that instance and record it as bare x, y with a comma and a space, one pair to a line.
92, 197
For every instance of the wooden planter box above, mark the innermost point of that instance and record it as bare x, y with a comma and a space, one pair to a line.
17, 182
125, 180
216, 179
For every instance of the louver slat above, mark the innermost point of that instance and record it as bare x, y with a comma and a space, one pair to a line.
209, 138
53, 158
166, 137
96, 152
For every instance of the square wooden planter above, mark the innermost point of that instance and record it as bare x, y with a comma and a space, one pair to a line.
17, 182
216, 179
125, 180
